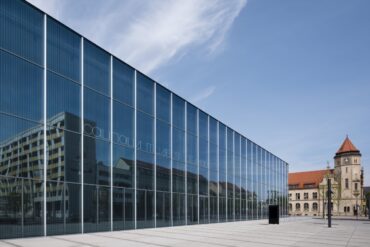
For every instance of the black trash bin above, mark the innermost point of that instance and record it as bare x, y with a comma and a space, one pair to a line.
273, 214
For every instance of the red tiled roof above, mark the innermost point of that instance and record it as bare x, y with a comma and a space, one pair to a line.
347, 146
312, 178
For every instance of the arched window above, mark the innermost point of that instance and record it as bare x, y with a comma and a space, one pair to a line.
297, 207
290, 207
306, 207
314, 206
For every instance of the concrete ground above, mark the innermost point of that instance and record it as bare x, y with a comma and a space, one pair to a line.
292, 231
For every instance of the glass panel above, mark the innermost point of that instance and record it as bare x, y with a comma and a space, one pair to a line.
203, 125
96, 68
145, 132
163, 209
178, 145
145, 93
21, 94
11, 206
96, 161
63, 50
178, 206
123, 166
163, 139
178, 112
63, 208
123, 208
192, 209
123, 82
96, 114
145, 157
64, 155
21, 207
21, 30
178, 177
163, 156
203, 210
191, 119
63, 101
163, 103
145, 209
97, 214
21, 148
123, 124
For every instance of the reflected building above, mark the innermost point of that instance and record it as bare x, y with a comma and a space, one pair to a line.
88, 143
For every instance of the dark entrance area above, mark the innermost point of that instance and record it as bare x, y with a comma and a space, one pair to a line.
273, 214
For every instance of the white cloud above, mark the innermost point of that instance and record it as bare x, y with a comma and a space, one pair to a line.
149, 34
203, 94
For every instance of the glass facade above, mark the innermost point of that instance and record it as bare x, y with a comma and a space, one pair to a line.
88, 143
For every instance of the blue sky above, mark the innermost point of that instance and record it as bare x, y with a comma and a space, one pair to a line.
293, 76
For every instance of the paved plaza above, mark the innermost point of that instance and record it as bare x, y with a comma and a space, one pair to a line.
291, 232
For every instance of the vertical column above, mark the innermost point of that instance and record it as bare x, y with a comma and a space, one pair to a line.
227, 178
234, 175
111, 142
241, 176
218, 173
197, 136
135, 152
171, 160
155, 155
45, 120
186, 159
82, 134
209, 171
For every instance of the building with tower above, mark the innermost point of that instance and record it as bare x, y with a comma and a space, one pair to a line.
307, 190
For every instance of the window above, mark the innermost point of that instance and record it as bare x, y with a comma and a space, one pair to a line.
314, 206
297, 196
314, 195
290, 207
356, 187
346, 183
290, 195
297, 207
305, 195
355, 161
306, 207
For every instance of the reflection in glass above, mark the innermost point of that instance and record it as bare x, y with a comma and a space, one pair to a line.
63, 208
145, 93
123, 82
96, 161
96, 114
21, 208
123, 124
63, 96
64, 155
123, 166
22, 30
63, 50
163, 103
21, 94
21, 148
123, 209
97, 213
96, 68
178, 112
